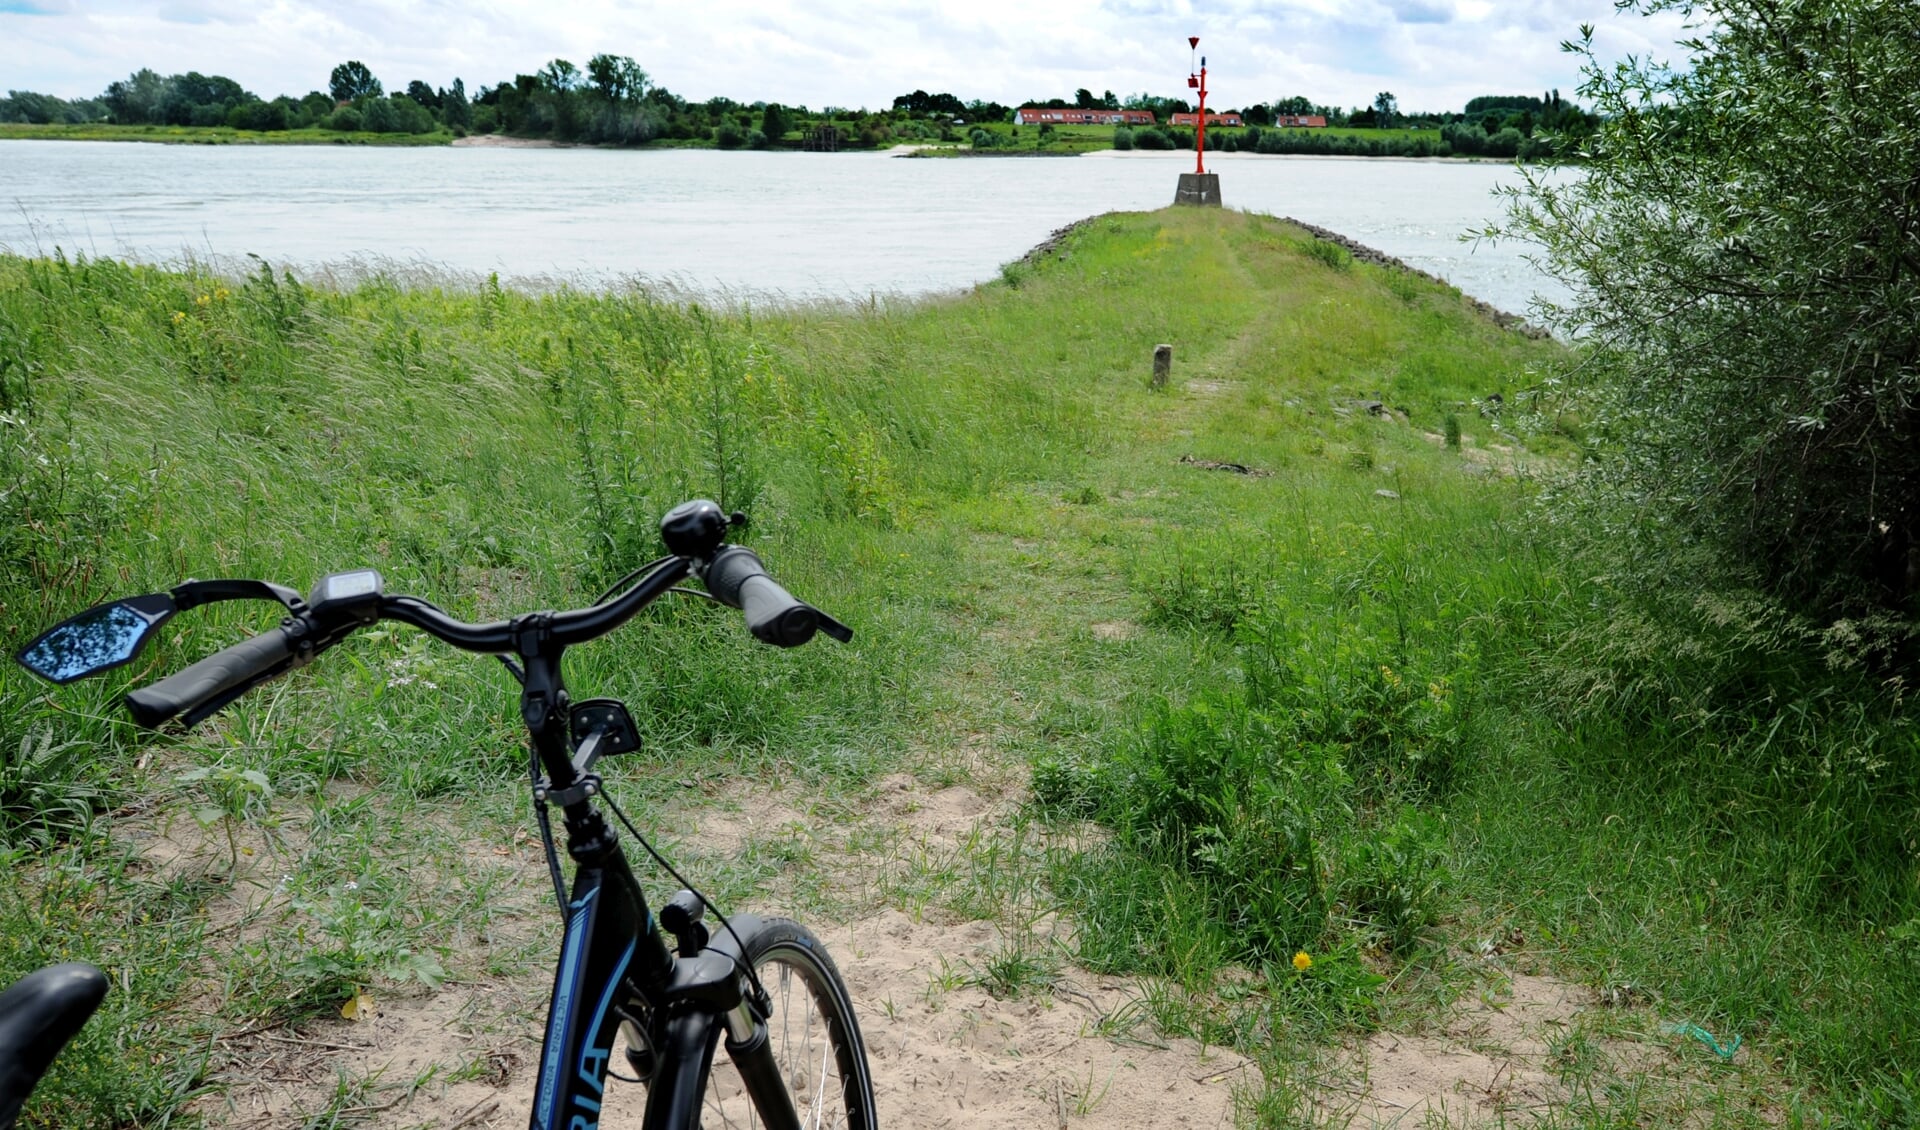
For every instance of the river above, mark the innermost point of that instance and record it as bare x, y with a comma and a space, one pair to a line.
803, 226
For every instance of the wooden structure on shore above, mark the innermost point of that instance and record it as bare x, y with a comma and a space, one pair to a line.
821, 139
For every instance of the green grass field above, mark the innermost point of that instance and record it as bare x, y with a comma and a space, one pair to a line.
1352, 706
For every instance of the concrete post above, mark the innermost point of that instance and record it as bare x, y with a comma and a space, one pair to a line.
1162, 365
1201, 189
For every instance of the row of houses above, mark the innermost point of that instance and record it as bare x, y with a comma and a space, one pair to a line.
1075, 116
1080, 116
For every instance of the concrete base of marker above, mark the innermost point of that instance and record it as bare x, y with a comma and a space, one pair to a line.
1199, 188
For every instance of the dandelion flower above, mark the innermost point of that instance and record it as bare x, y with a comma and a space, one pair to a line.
1302, 961
202, 299
221, 292
179, 316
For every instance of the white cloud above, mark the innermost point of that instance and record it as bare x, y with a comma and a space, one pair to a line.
1431, 53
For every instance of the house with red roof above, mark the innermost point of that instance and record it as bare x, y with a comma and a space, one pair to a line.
1079, 116
1230, 118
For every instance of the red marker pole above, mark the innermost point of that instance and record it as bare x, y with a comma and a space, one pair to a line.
1199, 187
1200, 142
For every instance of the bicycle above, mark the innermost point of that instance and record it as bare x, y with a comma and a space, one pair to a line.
616, 975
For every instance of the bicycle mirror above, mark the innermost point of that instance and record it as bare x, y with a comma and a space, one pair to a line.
99, 639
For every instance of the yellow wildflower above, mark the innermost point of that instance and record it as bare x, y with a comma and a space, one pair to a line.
1302, 961
179, 316
221, 293
202, 299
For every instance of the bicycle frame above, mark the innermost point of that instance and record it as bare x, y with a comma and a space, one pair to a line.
615, 966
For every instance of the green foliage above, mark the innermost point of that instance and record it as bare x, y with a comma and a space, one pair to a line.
1330, 253
46, 792
1750, 303
44, 109
774, 122
1307, 718
352, 81
1152, 137
1122, 138
352, 944
229, 796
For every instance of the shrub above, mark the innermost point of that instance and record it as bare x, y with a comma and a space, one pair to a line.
1333, 255
346, 119
379, 116
258, 115
410, 116
1152, 137
1750, 302
729, 136
1122, 138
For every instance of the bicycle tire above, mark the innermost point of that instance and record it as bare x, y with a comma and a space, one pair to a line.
812, 1032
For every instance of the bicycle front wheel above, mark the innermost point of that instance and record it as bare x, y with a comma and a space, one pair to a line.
811, 1034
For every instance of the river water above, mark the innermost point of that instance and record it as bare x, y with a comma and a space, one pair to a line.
803, 226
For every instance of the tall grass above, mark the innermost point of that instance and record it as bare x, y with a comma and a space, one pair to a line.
1358, 708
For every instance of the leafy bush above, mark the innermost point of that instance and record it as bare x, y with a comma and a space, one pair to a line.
1329, 253
346, 119
258, 115
410, 116
1224, 794
1122, 138
729, 136
1749, 301
1152, 137
378, 115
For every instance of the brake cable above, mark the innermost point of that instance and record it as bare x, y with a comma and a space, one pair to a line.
546, 835
740, 962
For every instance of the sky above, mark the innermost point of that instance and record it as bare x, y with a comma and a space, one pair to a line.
1431, 54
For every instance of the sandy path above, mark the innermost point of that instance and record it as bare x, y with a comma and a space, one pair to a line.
1072, 1051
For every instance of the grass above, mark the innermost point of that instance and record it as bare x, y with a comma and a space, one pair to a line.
211, 135
1356, 707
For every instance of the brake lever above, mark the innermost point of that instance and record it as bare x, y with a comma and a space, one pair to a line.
833, 627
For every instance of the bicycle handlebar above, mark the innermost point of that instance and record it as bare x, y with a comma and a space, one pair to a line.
236, 669
736, 578
734, 575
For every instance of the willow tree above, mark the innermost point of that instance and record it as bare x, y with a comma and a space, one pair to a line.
1743, 250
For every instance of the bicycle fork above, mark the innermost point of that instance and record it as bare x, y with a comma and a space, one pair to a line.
615, 967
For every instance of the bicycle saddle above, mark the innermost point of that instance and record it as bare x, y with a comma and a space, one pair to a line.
38, 1015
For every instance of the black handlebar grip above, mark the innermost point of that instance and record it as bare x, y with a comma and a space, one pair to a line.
774, 616
213, 676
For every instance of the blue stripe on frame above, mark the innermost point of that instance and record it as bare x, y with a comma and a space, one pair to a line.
560, 1015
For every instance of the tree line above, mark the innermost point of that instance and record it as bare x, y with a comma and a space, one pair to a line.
612, 100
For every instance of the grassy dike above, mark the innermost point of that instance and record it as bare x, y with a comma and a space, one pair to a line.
1311, 710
